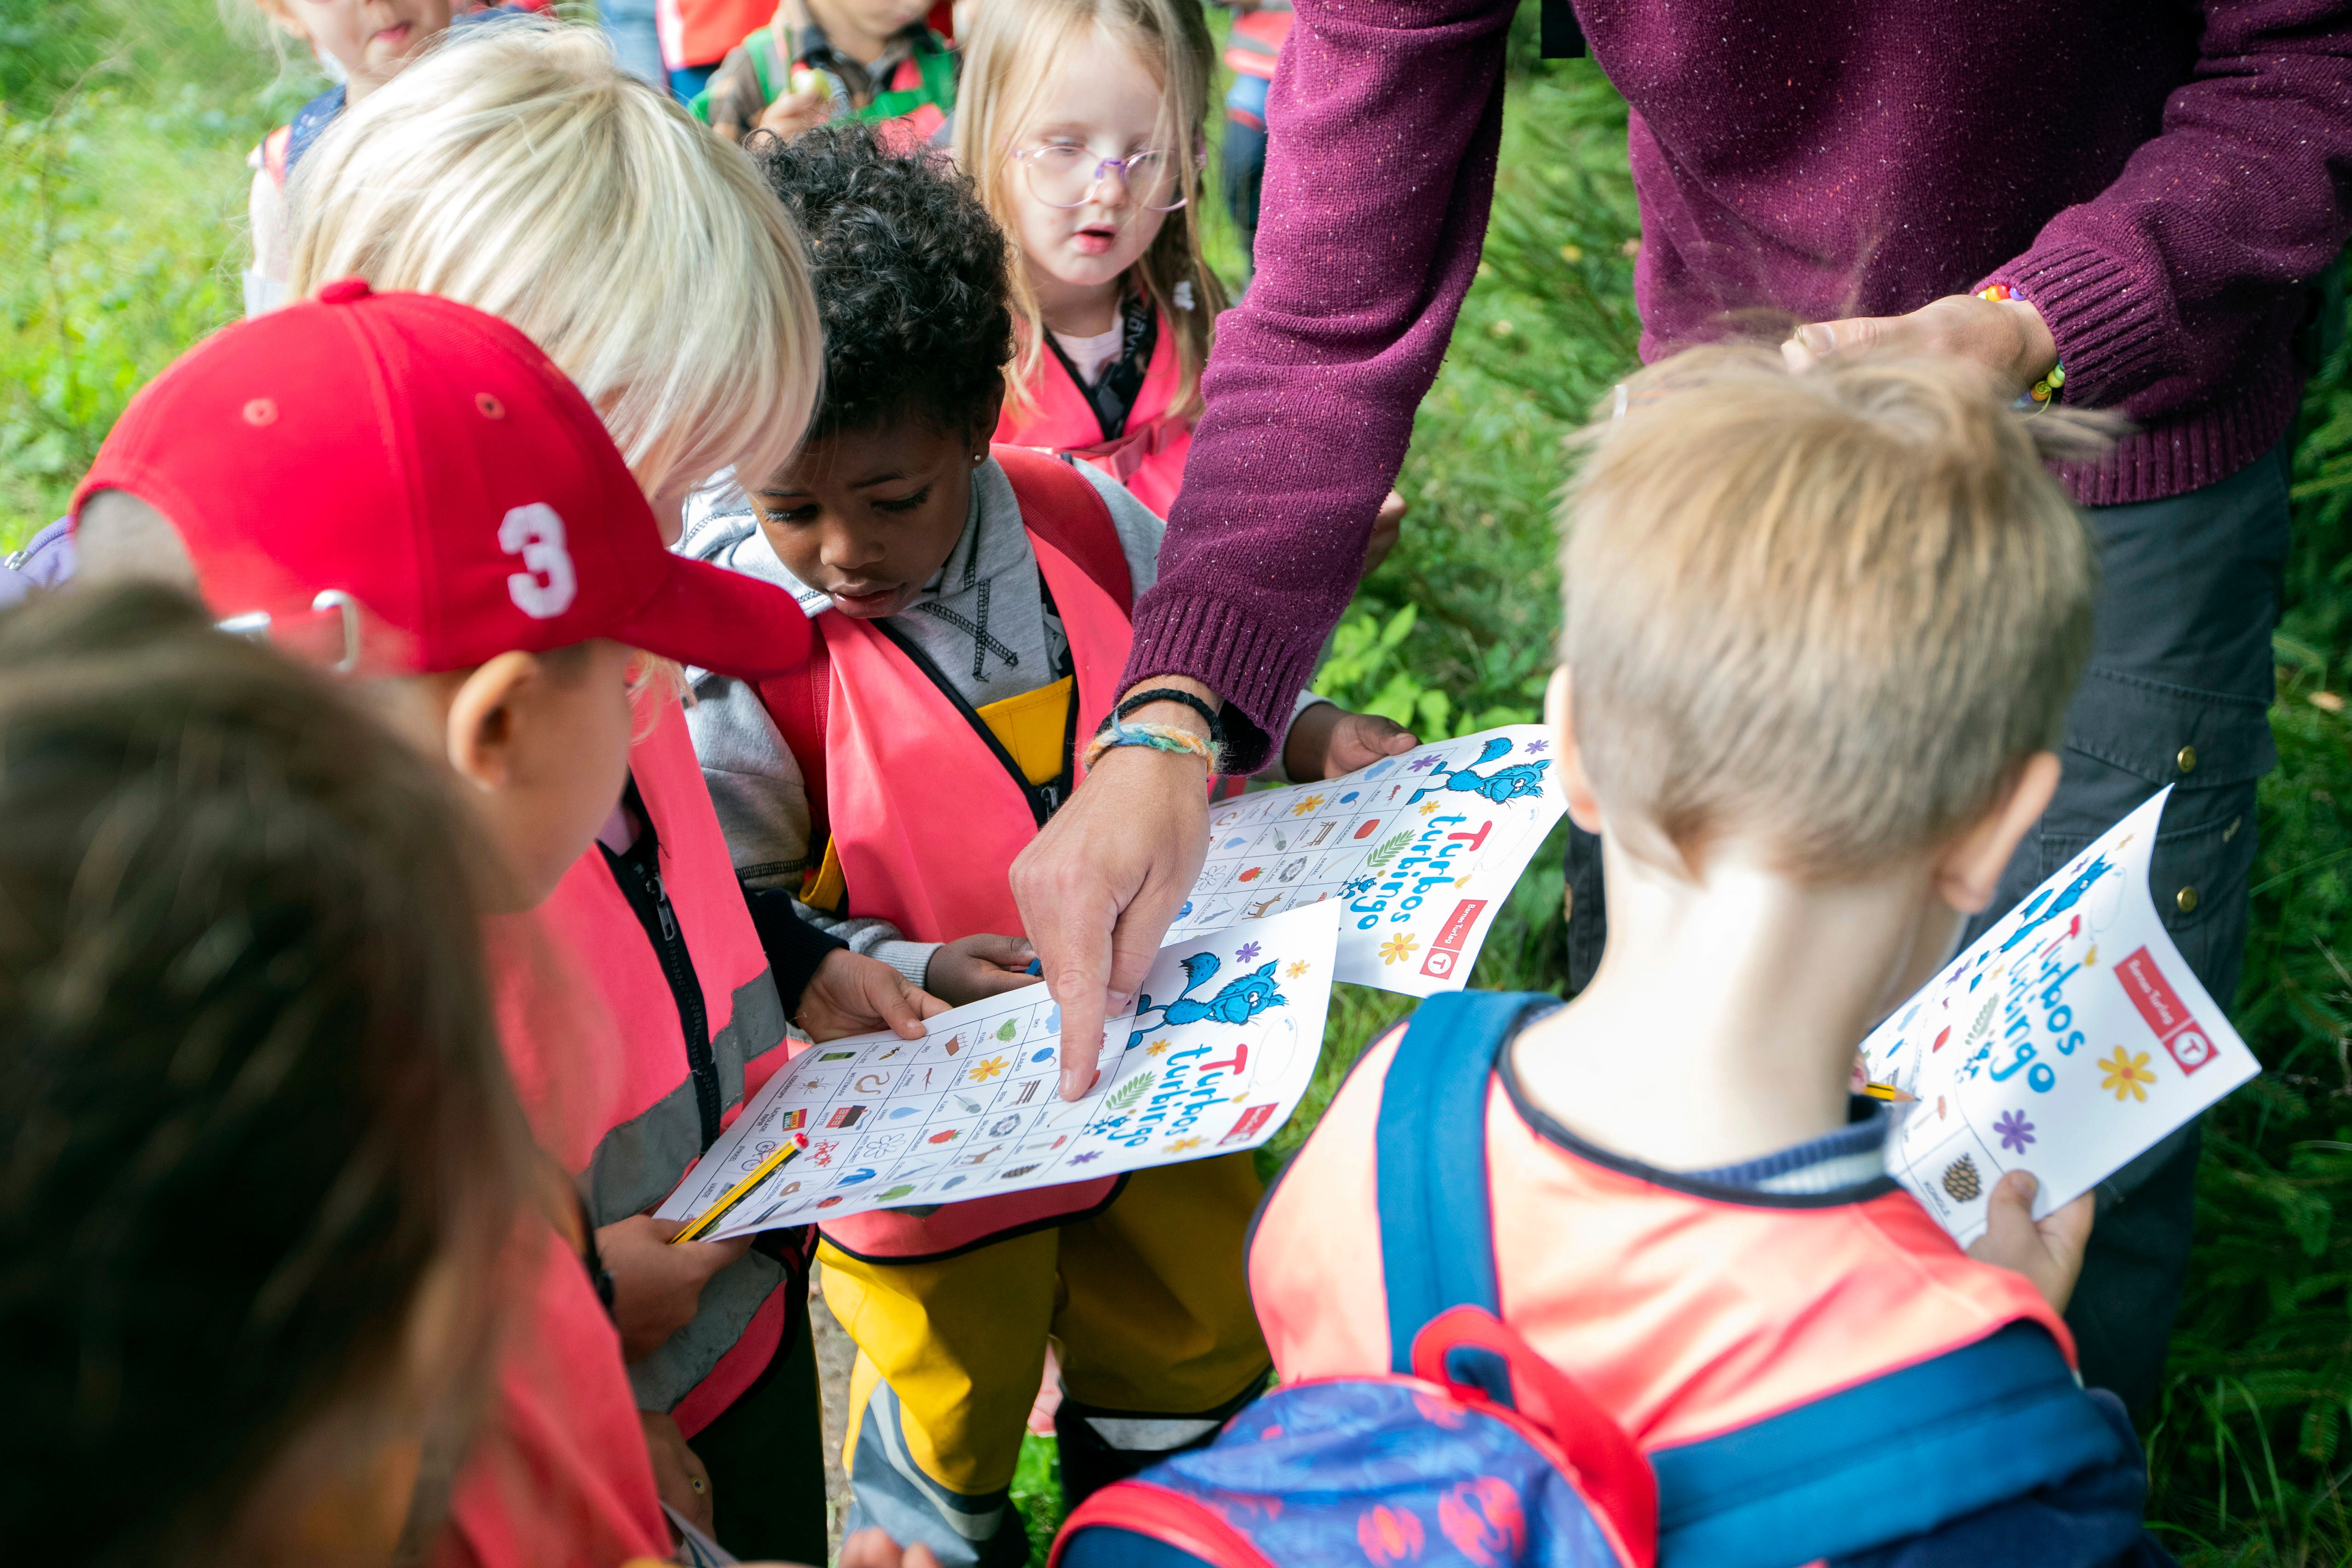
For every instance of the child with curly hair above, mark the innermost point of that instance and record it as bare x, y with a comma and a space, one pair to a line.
971, 607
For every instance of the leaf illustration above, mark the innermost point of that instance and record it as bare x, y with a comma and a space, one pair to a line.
1388, 850
1126, 1095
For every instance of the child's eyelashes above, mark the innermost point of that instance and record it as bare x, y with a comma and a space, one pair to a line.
903, 503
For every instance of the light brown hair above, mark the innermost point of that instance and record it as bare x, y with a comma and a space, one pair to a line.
1827, 613
1010, 55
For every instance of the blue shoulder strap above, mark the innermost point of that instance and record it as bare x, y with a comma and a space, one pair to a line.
1438, 1231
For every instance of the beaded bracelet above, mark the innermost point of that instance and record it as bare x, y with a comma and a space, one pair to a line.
1159, 737
2046, 391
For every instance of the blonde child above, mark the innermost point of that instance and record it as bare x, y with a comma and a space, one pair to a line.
527, 175
1819, 636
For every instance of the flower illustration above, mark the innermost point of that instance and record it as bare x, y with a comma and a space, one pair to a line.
1399, 948
1180, 1145
1428, 808
1306, 805
1535, 748
2126, 1073
2015, 1130
1089, 1157
1423, 764
1246, 954
1155, 1048
1298, 968
981, 1071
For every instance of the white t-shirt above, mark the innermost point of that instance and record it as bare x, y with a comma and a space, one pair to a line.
1091, 355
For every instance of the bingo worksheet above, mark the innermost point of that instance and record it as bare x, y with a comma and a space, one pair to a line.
1220, 1046
1420, 851
2064, 1041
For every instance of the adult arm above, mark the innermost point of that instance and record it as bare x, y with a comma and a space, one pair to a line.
2154, 289
1388, 114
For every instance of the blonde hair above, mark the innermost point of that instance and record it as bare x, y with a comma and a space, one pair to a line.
1829, 614
1013, 47
520, 171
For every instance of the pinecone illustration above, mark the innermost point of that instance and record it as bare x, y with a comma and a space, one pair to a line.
1960, 1180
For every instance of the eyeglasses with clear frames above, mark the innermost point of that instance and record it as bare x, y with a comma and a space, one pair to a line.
1063, 175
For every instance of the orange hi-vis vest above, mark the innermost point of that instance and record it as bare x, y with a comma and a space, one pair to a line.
1254, 44
700, 32
927, 806
698, 1022
1789, 1364
1148, 455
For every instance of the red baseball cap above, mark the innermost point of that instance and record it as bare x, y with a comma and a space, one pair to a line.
427, 461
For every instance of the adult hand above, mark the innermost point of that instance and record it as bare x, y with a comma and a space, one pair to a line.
656, 1288
2008, 337
797, 111
851, 994
972, 967
1099, 886
873, 1548
678, 1473
2049, 1252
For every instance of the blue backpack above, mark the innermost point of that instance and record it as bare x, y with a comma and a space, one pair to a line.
1475, 1451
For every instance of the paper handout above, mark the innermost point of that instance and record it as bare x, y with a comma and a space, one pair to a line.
2064, 1041
1420, 851
1222, 1044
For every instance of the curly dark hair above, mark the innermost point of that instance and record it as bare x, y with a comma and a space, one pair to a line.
911, 278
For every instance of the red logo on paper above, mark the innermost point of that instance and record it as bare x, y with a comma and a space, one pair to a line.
1445, 948
1251, 1121
2166, 1013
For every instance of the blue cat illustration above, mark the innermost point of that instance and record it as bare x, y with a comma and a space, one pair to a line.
2071, 895
1238, 1001
1501, 787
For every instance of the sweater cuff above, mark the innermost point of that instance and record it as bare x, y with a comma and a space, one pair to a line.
1256, 668
912, 959
2109, 328
795, 947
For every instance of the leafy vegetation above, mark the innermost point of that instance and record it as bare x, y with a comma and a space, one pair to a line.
124, 128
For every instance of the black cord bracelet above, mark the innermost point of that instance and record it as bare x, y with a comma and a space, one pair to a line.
1169, 694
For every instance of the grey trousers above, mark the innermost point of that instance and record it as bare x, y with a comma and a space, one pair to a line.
2177, 692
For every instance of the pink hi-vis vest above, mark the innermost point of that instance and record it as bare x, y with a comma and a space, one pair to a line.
926, 817
1147, 457
665, 1095
1686, 1317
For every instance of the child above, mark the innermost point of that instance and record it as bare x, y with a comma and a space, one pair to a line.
1251, 51
1820, 635
1083, 125
221, 874
696, 35
874, 60
529, 176
363, 44
509, 566
972, 611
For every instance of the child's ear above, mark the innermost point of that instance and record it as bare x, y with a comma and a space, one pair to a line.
480, 731
1559, 716
282, 15
983, 420
1968, 872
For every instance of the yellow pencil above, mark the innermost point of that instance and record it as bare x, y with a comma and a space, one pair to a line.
1888, 1092
735, 1195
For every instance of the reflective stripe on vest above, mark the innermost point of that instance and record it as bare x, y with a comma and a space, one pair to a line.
1686, 1316
932, 859
1149, 458
654, 1123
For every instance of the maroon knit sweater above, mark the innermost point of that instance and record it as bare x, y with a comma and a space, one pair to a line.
2162, 180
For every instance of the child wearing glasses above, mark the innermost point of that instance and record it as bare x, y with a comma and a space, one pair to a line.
971, 611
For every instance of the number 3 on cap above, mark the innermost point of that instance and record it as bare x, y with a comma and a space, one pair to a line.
546, 586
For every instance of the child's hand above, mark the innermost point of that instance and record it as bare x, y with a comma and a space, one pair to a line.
851, 994
795, 112
873, 1549
2047, 1252
1387, 527
972, 967
678, 1473
735, 100
657, 1286
1328, 741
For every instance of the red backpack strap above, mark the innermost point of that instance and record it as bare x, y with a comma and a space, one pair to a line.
1062, 507
799, 703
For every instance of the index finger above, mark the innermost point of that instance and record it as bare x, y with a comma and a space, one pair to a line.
1078, 936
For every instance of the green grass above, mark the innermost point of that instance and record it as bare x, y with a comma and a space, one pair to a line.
122, 196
